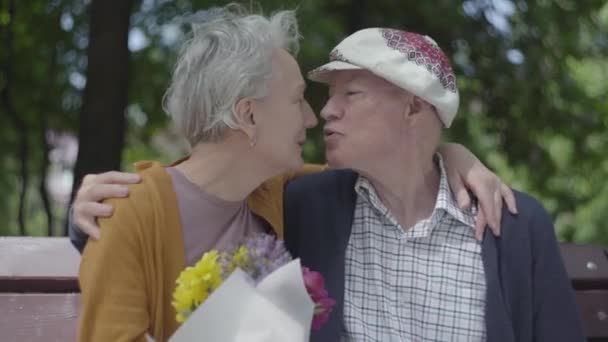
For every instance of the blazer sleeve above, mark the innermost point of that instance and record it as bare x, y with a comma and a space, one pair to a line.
112, 280
556, 316
77, 237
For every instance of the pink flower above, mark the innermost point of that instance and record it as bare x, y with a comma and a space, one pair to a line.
315, 285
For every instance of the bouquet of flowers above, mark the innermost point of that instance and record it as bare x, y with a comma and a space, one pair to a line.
254, 293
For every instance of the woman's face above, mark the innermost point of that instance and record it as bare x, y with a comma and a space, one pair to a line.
283, 116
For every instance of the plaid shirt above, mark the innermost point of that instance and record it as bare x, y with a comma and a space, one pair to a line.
425, 283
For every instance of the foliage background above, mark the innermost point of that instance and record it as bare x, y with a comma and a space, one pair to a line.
532, 76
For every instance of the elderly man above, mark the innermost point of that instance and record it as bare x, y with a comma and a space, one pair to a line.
397, 252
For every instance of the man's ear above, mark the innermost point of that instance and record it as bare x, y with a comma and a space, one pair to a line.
413, 108
418, 105
408, 105
243, 112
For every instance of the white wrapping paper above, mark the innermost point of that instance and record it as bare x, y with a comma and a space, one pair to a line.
278, 310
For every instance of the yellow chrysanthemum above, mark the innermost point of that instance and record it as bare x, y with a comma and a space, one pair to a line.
241, 257
180, 317
195, 283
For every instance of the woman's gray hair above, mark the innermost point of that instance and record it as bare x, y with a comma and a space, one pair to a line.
227, 58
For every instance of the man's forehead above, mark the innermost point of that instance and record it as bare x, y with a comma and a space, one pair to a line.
346, 77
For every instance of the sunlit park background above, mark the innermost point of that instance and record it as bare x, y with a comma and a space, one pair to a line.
532, 75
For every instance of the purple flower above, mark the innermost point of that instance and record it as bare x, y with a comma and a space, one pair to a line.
267, 254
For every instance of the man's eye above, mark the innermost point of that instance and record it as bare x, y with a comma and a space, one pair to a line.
351, 93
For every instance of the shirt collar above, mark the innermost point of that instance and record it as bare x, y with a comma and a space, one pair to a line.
445, 202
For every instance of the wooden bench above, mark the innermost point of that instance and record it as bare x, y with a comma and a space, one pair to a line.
587, 267
39, 298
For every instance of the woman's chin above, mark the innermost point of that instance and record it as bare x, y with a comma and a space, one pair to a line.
297, 163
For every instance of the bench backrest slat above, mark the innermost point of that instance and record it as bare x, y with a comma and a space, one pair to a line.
38, 264
38, 317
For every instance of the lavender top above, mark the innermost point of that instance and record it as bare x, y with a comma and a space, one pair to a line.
209, 222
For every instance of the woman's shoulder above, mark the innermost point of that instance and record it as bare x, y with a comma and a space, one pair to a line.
149, 214
153, 194
155, 184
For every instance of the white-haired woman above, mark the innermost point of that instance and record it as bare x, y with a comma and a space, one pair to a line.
237, 94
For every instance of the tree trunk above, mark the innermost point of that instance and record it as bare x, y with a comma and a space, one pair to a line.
18, 123
102, 117
44, 167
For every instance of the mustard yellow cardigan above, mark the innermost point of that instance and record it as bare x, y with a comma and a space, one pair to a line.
128, 276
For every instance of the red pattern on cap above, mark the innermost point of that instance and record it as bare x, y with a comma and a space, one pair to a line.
422, 51
336, 55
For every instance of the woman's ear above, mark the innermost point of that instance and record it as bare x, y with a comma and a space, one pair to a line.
243, 112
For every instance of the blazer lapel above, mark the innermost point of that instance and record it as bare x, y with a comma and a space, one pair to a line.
337, 228
498, 323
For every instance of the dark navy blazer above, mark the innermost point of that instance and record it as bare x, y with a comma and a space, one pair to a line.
529, 296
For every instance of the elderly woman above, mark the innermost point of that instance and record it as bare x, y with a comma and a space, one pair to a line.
237, 94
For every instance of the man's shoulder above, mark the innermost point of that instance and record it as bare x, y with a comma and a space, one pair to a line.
532, 222
322, 180
525, 237
320, 192
318, 211
528, 207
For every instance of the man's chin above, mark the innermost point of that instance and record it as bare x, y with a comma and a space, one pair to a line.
335, 163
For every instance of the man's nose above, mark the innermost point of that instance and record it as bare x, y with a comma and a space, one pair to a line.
332, 110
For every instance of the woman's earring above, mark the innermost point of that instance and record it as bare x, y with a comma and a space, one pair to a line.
253, 139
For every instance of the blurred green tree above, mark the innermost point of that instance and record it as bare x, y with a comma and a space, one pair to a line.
531, 74
102, 121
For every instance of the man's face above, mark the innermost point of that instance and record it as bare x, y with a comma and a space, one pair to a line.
284, 115
365, 119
